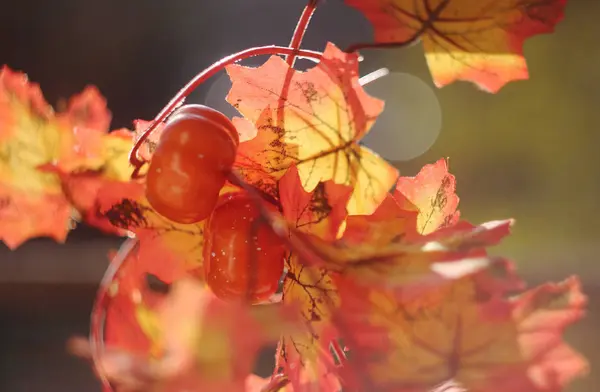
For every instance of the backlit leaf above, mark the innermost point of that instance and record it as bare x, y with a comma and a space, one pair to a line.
320, 213
127, 298
315, 124
432, 193
207, 344
482, 345
474, 40
177, 247
40, 148
389, 223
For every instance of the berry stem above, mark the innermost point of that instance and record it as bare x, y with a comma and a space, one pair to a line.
200, 78
300, 30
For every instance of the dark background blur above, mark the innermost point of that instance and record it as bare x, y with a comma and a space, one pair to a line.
529, 152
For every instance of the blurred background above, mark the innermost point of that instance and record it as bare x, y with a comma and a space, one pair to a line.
529, 152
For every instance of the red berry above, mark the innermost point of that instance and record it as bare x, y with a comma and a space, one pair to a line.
190, 165
243, 257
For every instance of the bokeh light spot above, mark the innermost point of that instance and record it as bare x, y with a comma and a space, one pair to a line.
411, 121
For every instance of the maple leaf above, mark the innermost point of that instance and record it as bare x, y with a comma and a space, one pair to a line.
389, 223
314, 124
419, 270
82, 188
178, 247
418, 274
319, 213
301, 354
127, 297
483, 345
473, 40
41, 148
432, 194
418, 205
390, 264
207, 344
31, 135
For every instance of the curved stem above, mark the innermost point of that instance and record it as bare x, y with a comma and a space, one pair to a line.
300, 30
201, 78
98, 315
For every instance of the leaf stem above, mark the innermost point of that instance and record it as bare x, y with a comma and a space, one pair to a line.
300, 30
200, 78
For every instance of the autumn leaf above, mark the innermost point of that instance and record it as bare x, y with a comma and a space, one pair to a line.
40, 148
207, 344
390, 264
482, 345
177, 247
419, 268
418, 205
389, 223
416, 275
480, 41
128, 295
432, 194
322, 276
315, 124
301, 354
82, 188
320, 212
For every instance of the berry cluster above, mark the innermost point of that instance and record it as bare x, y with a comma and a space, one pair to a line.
243, 257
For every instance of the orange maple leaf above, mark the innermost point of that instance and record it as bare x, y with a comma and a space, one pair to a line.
483, 345
207, 344
131, 291
432, 194
473, 40
389, 223
34, 138
417, 268
315, 124
320, 213
177, 247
